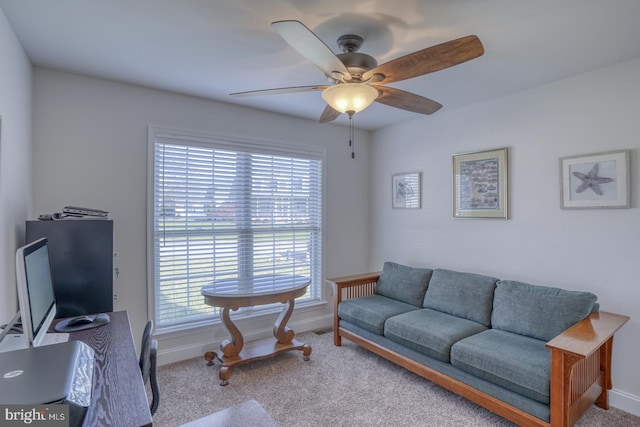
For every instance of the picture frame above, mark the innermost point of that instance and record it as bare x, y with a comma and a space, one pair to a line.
406, 190
480, 184
595, 181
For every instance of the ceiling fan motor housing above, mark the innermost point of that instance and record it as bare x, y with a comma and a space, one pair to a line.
356, 63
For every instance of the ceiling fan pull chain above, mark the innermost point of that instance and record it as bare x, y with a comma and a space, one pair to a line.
351, 136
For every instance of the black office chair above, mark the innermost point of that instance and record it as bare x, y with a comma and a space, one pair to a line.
148, 354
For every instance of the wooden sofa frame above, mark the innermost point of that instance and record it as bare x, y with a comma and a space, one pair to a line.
580, 362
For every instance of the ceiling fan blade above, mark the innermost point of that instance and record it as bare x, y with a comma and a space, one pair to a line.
311, 47
406, 100
276, 91
329, 114
427, 60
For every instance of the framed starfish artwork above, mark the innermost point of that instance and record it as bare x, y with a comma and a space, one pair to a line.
480, 184
595, 181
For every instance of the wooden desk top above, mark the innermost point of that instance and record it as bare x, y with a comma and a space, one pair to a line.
119, 397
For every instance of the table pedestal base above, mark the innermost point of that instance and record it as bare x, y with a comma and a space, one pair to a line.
255, 350
235, 352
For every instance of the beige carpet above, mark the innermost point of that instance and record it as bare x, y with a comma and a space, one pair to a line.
339, 386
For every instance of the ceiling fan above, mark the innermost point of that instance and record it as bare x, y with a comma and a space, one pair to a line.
356, 78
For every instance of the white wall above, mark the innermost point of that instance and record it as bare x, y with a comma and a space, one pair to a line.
90, 149
15, 160
593, 250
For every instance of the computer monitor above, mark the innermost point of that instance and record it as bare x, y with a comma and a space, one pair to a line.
35, 290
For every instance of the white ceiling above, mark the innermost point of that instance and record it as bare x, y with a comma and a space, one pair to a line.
210, 48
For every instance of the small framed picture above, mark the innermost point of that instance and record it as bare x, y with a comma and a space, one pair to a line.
595, 181
406, 190
480, 184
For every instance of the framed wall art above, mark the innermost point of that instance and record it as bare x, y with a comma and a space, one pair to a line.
595, 181
480, 184
406, 190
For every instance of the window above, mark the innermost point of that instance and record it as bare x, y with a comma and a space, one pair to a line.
230, 210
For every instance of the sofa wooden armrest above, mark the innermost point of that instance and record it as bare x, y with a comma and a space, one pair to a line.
348, 287
581, 367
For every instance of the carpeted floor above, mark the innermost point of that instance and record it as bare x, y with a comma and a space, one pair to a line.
339, 386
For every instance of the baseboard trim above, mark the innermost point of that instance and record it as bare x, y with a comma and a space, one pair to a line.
625, 401
197, 349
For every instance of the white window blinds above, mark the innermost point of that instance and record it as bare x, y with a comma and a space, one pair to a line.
222, 213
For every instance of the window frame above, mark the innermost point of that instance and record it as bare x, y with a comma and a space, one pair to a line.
232, 143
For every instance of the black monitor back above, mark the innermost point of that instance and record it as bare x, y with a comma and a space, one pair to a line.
81, 254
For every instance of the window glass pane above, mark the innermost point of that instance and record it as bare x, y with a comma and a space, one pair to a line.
222, 214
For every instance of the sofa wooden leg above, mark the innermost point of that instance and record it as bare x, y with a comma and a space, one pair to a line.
337, 339
605, 367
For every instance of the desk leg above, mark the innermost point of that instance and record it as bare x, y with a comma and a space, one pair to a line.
284, 335
231, 347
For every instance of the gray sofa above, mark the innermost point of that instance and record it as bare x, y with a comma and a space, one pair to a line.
517, 349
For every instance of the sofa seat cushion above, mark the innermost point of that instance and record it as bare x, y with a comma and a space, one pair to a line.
516, 362
538, 311
403, 283
430, 332
462, 294
370, 312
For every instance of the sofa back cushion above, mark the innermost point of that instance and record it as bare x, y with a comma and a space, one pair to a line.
538, 311
403, 283
465, 295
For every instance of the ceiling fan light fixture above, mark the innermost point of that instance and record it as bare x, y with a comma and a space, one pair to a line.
350, 97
